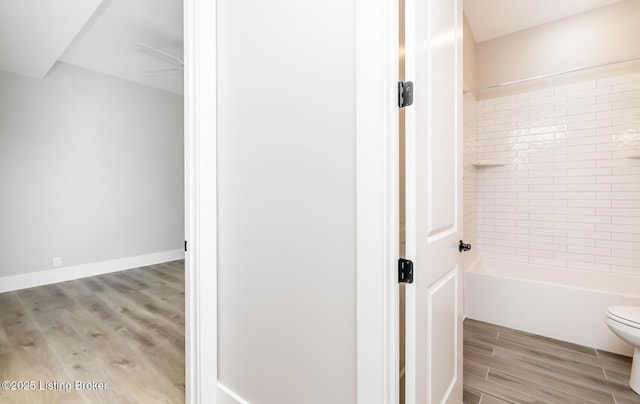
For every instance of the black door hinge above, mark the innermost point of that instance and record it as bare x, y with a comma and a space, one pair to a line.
185, 246
405, 93
405, 271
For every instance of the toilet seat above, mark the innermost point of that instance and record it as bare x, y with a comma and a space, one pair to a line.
629, 315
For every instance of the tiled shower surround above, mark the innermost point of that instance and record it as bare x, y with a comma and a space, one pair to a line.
557, 175
469, 190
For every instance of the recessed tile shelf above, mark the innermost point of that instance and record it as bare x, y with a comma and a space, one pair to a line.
492, 163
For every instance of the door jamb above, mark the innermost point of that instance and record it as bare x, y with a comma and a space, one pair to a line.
377, 201
200, 200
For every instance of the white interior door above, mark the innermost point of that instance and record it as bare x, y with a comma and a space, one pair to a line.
433, 201
286, 165
305, 112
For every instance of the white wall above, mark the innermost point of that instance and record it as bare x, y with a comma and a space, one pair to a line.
568, 191
468, 56
286, 200
91, 169
594, 37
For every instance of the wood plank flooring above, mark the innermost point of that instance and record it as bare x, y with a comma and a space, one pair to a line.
124, 329
502, 365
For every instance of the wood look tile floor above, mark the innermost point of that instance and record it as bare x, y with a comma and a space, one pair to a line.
502, 365
124, 329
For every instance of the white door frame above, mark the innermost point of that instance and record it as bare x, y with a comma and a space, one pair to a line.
376, 195
377, 200
200, 200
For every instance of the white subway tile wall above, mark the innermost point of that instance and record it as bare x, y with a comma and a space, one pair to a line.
469, 179
557, 180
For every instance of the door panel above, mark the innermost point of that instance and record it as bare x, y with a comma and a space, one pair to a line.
442, 335
440, 115
286, 143
433, 198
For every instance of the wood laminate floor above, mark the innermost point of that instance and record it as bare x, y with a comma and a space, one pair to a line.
502, 365
125, 330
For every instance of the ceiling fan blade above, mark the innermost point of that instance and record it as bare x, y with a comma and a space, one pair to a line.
158, 52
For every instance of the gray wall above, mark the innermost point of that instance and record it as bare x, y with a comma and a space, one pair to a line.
91, 169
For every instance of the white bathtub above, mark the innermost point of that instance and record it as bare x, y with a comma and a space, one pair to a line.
554, 302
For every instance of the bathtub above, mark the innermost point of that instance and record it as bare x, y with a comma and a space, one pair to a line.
554, 302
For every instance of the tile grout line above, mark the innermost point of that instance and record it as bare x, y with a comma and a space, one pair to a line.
560, 378
552, 344
533, 394
560, 349
609, 395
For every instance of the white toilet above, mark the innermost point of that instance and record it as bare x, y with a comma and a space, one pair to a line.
624, 321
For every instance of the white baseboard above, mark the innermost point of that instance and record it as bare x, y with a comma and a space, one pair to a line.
63, 274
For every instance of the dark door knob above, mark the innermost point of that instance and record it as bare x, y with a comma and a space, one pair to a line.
463, 247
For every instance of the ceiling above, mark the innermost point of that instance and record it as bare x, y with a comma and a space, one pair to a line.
102, 35
491, 19
99, 35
